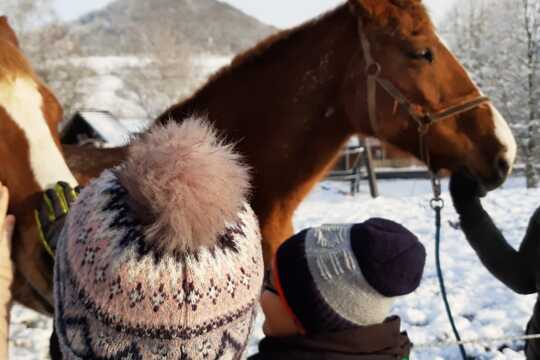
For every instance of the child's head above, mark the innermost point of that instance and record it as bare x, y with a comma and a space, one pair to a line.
337, 277
161, 256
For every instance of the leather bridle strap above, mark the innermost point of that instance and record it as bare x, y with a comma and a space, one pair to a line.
424, 119
457, 109
373, 70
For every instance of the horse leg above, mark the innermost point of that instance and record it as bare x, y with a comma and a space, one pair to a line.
34, 267
24, 293
275, 230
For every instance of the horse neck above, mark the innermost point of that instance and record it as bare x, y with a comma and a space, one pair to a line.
280, 102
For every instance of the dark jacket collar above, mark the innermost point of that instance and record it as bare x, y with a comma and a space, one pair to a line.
377, 342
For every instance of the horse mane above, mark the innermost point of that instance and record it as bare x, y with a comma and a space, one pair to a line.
274, 40
406, 17
271, 43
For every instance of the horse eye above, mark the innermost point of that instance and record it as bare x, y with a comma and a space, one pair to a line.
425, 54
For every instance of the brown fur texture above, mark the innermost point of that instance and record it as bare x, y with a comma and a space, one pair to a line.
186, 184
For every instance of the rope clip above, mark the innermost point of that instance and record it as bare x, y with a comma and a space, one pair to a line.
437, 203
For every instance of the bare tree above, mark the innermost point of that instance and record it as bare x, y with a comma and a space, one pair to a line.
531, 23
168, 74
28, 15
57, 65
500, 45
46, 41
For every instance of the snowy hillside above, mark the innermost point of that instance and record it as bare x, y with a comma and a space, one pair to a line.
129, 85
483, 307
129, 27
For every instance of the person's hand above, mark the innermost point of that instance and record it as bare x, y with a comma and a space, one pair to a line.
7, 225
465, 190
52, 212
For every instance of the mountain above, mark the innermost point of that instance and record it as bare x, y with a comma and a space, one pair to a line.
132, 26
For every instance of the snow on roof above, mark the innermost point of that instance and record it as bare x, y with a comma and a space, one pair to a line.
136, 125
107, 126
353, 141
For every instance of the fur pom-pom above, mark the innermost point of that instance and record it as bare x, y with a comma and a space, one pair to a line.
184, 184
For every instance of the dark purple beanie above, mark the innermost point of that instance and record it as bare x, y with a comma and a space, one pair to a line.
390, 256
322, 272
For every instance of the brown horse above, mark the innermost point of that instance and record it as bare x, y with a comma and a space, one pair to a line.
291, 102
30, 161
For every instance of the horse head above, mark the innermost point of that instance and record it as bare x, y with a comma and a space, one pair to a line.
421, 98
31, 161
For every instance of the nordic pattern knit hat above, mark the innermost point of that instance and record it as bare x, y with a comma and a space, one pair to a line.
337, 277
160, 258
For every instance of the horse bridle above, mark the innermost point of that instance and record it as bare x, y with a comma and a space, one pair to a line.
424, 119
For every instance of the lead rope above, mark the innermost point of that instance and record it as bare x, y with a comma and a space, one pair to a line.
437, 204
478, 341
372, 71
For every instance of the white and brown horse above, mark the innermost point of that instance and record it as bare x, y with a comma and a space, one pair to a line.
30, 161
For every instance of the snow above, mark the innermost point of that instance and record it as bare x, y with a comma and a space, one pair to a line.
212, 62
104, 65
206, 64
102, 92
482, 306
136, 125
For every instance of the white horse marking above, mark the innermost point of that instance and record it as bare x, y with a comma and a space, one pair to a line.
505, 136
23, 102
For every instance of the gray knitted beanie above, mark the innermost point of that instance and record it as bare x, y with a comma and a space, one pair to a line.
337, 277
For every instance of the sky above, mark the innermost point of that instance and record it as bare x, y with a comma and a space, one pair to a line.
280, 13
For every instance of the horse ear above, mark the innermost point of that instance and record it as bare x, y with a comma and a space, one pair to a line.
4, 21
372, 8
6, 32
404, 3
366, 8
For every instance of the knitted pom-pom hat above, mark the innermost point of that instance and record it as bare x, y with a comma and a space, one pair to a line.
160, 257
337, 277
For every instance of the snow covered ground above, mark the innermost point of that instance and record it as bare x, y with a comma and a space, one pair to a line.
482, 306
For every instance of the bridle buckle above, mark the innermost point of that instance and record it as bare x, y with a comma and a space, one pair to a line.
373, 69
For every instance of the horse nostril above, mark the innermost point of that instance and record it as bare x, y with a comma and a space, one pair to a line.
502, 166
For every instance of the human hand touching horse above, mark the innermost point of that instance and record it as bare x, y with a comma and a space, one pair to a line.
7, 224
